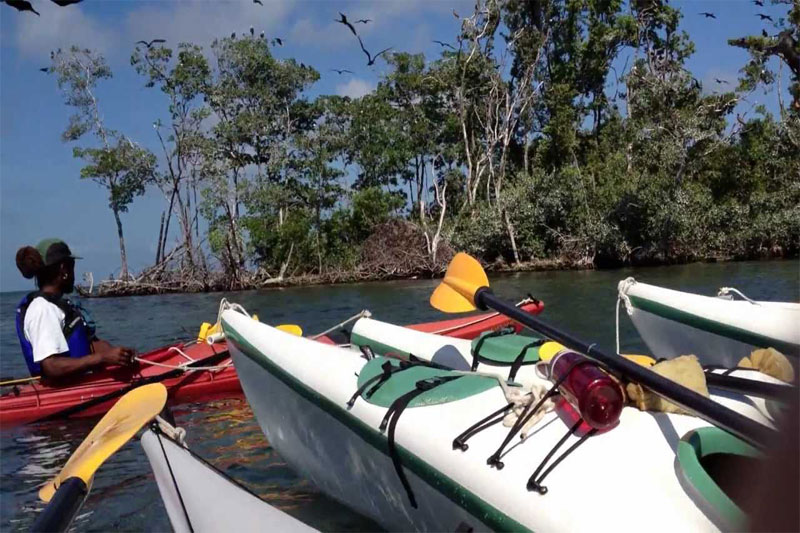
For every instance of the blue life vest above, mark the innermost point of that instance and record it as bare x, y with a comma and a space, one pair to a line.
78, 329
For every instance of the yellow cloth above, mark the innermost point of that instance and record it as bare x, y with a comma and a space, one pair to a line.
771, 362
685, 370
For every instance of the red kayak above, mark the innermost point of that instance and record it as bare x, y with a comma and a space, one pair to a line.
217, 379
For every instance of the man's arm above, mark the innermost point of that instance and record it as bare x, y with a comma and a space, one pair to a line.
60, 366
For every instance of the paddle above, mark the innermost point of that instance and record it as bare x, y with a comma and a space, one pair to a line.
466, 287
67, 491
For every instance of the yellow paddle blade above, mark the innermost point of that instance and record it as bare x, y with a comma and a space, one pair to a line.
456, 292
644, 360
120, 423
549, 349
293, 329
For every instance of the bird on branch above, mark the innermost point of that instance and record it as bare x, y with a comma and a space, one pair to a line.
21, 5
371, 59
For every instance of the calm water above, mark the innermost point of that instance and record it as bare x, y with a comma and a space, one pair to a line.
125, 496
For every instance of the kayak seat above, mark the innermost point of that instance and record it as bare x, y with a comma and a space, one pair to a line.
503, 350
406, 380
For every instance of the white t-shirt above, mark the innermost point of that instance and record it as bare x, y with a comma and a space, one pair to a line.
44, 322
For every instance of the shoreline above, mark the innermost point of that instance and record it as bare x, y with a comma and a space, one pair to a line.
120, 288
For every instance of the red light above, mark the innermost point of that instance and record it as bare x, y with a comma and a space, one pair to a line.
595, 394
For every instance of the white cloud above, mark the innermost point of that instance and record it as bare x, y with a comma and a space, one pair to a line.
61, 27
355, 88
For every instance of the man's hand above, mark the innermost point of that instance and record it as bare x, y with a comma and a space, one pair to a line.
117, 355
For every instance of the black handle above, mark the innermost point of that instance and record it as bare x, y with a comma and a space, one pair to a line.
63, 507
735, 423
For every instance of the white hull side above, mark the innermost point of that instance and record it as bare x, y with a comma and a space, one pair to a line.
667, 338
212, 502
340, 462
617, 481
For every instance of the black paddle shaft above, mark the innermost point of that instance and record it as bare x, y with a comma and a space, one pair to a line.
737, 424
69, 411
63, 507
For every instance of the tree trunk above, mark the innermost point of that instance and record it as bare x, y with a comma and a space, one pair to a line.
160, 236
123, 256
510, 231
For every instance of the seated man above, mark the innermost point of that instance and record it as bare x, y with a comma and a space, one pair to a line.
56, 339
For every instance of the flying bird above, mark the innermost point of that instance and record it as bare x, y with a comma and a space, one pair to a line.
258, 2
708, 15
21, 5
456, 14
765, 17
759, 3
363, 21
277, 40
443, 44
342, 71
344, 21
371, 58
45, 69
151, 43
64, 3
721, 81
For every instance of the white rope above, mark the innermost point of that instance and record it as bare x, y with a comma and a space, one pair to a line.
362, 314
177, 434
727, 291
622, 296
181, 352
183, 366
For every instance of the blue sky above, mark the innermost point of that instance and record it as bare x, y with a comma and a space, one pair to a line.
41, 194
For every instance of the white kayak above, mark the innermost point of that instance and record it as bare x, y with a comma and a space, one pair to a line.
718, 330
648, 471
496, 351
200, 498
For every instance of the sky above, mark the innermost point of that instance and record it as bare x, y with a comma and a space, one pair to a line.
41, 193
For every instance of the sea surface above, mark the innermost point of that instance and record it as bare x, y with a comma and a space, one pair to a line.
125, 496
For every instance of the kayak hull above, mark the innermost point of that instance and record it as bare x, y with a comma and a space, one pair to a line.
617, 480
198, 498
717, 330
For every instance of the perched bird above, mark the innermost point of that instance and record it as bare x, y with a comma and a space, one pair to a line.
64, 3
258, 2
371, 59
708, 15
443, 44
363, 21
342, 71
252, 31
233, 35
765, 17
721, 81
344, 21
277, 40
764, 33
759, 3
151, 43
261, 35
21, 5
